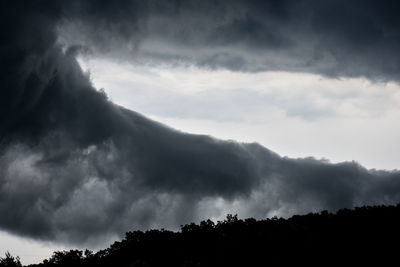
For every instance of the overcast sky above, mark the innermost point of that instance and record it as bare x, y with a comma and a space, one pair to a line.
294, 114
130, 114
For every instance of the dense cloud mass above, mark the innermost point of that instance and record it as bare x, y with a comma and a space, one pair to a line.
334, 38
74, 167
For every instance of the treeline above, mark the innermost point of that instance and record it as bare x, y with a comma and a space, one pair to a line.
363, 235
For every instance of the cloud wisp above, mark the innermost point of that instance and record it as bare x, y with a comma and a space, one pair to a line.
74, 167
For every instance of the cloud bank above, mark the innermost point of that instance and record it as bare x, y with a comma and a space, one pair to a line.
332, 38
74, 167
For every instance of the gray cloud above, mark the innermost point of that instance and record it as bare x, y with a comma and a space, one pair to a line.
74, 167
333, 38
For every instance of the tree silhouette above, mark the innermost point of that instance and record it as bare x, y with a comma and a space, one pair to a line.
10, 261
363, 235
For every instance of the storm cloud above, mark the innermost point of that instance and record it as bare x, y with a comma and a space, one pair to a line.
74, 167
332, 38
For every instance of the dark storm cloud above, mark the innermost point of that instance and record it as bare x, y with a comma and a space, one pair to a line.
75, 167
334, 38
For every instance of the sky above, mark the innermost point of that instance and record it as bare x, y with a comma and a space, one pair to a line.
293, 114
152, 114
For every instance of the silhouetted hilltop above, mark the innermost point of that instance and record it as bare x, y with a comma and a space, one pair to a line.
360, 235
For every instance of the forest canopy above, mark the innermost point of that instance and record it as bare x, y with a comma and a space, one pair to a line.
362, 234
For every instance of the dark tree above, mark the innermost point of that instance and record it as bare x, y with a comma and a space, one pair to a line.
365, 235
9, 261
